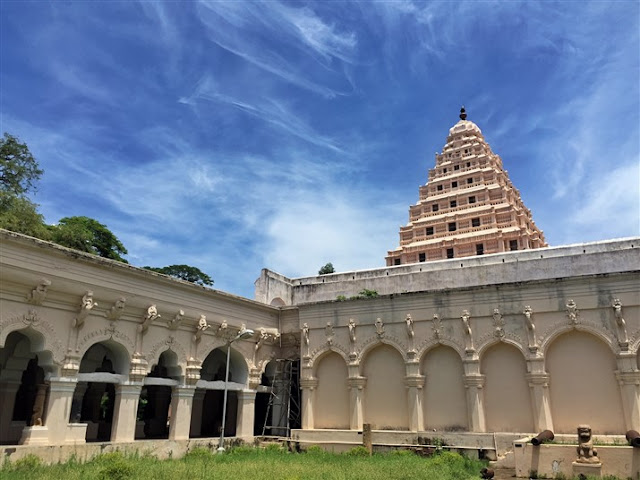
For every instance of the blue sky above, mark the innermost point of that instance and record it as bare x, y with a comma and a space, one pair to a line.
239, 135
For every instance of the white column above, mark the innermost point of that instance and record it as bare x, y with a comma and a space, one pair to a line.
124, 412
181, 409
414, 384
196, 412
475, 405
629, 383
246, 413
59, 408
356, 392
308, 386
539, 387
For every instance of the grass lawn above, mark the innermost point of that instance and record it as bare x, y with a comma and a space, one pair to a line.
252, 464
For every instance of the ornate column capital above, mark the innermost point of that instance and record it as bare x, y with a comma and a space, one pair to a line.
538, 379
474, 380
628, 378
414, 381
357, 382
308, 383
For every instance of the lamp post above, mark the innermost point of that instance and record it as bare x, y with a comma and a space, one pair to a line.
242, 335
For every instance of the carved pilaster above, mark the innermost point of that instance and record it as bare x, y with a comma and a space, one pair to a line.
193, 371
539, 388
475, 402
629, 383
356, 392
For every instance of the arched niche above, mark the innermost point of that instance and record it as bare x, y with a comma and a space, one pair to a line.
213, 367
155, 397
331, 403
23, 389
583, 387
385, 393
507, 397
444, 401
107, 356
277, 302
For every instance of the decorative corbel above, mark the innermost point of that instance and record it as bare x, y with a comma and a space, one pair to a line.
39, 293
86, 306
116, 311
175, 322
149, 317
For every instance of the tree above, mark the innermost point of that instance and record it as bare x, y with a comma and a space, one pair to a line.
18, 169
184, 272
88, 235
328, 268
20, 215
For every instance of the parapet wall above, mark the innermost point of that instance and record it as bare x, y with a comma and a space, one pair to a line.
596, 258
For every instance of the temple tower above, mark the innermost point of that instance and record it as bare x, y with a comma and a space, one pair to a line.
467, 207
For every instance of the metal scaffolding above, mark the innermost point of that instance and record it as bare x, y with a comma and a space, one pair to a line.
283, 409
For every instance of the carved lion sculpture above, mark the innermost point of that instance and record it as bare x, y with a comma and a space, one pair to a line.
586, 452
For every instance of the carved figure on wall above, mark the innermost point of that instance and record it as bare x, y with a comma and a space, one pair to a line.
149, 317
85, 308
222, 329
621, 325
328, 332
200, 329
531, 328
117, 309
436, 325
572, 312
379, 328
409, 323
352, 330
305, 334
175, 322
39, 293
498, 323
586, 452
261, 339
466, 325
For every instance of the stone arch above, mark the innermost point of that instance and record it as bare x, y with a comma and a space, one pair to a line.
216, 360
445, 342
35, 344
109, 336
318, 355
582, 385
277, 302
332, 393
551, 335
164, 346
487, 345
385, 394
372, 343
507, 399
42, 332
115, 353
444, 394
205, 350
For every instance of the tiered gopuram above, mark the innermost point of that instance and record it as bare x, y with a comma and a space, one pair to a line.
467, 207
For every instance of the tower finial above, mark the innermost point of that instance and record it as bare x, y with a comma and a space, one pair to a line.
463, 113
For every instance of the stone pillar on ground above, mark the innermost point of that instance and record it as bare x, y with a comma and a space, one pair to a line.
125, 411
61, 391
415, 384
246, 413
181, 410
308, 386
475, 405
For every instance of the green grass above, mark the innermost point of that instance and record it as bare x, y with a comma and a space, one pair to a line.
245, 463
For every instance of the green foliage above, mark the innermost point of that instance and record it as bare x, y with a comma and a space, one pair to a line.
402, 453
28, 463
274, 448
88, 235
20, 215
341, 298
114, 466
314, 450
198, 452
368, 293
184, 272
328, 268
358, 451
18, 169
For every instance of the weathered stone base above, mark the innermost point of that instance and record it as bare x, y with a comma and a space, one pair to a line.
588, 469
35, 436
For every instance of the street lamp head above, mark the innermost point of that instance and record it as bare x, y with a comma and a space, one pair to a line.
244, 334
